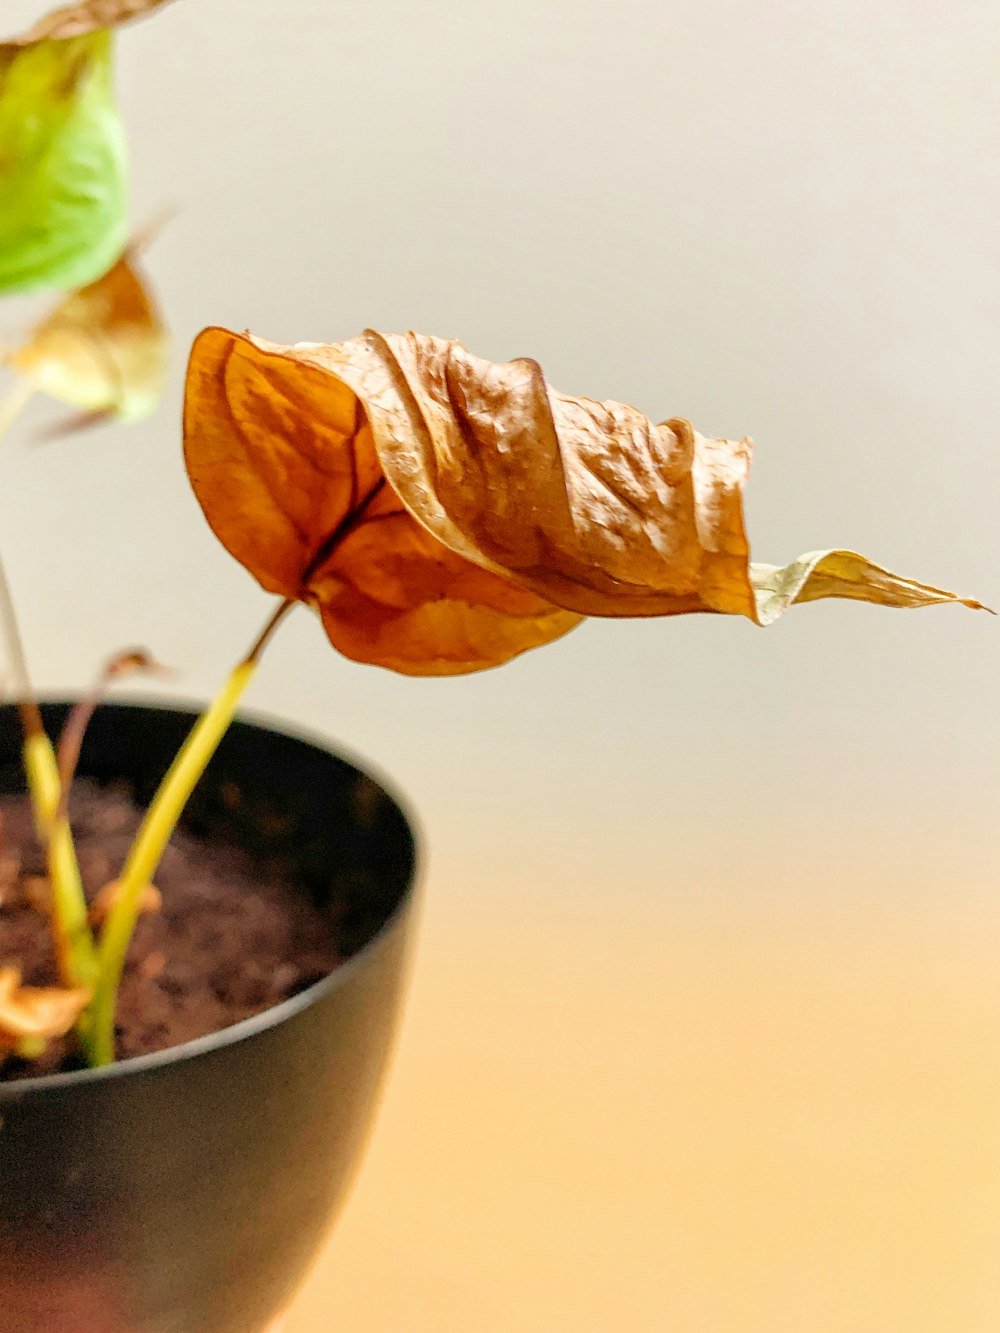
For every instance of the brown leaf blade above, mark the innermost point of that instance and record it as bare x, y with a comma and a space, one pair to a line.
280, 454
588, 504
76, 20
36, 1012
447, 485
103, 349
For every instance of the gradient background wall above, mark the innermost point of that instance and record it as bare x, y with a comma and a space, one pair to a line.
704, 1034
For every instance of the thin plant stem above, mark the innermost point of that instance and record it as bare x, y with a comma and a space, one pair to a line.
151, 841
75, 951
14, 404
31, 718
264, 637
74, 942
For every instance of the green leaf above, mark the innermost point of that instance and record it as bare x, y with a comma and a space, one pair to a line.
63, 217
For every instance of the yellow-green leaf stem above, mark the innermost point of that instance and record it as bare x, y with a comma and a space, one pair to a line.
150, 844
74, 942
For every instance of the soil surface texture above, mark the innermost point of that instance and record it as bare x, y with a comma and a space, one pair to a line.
233, 935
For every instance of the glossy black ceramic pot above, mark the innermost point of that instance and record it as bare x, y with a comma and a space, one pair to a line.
187, 1191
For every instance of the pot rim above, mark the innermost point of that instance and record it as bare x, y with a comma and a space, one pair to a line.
278, 1013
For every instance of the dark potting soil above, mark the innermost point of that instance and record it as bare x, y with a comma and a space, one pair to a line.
233, 935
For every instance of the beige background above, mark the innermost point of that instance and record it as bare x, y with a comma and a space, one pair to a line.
704, 1035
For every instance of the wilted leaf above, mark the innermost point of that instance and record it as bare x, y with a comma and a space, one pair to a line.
589, 506
62, 163
77, 20
36, 1011
151, 901
103, 349
282, 458
819, 574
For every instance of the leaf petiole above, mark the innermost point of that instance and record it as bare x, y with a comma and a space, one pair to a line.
149, 846
152, 838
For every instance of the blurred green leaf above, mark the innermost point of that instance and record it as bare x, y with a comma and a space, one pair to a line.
63, 219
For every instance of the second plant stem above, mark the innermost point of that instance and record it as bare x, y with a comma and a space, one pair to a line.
151, 841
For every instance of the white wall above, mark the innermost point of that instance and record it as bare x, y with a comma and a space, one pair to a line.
778, 219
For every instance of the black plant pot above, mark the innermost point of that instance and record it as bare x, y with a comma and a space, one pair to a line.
187, 1191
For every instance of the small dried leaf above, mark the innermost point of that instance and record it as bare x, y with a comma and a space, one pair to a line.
36, 1011
103, 349
152, 965
63, 207
105, 899
845, 574
342, 474
89, 15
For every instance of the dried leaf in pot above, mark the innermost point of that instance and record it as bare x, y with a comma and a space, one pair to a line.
33, 1012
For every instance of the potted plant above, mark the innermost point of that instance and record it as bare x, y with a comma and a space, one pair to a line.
441, 513
179, 1188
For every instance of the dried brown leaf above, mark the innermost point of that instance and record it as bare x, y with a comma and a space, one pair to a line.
589, 504
298, 454
282, 458
87, 16
106, 897
36, 1011
103, 350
